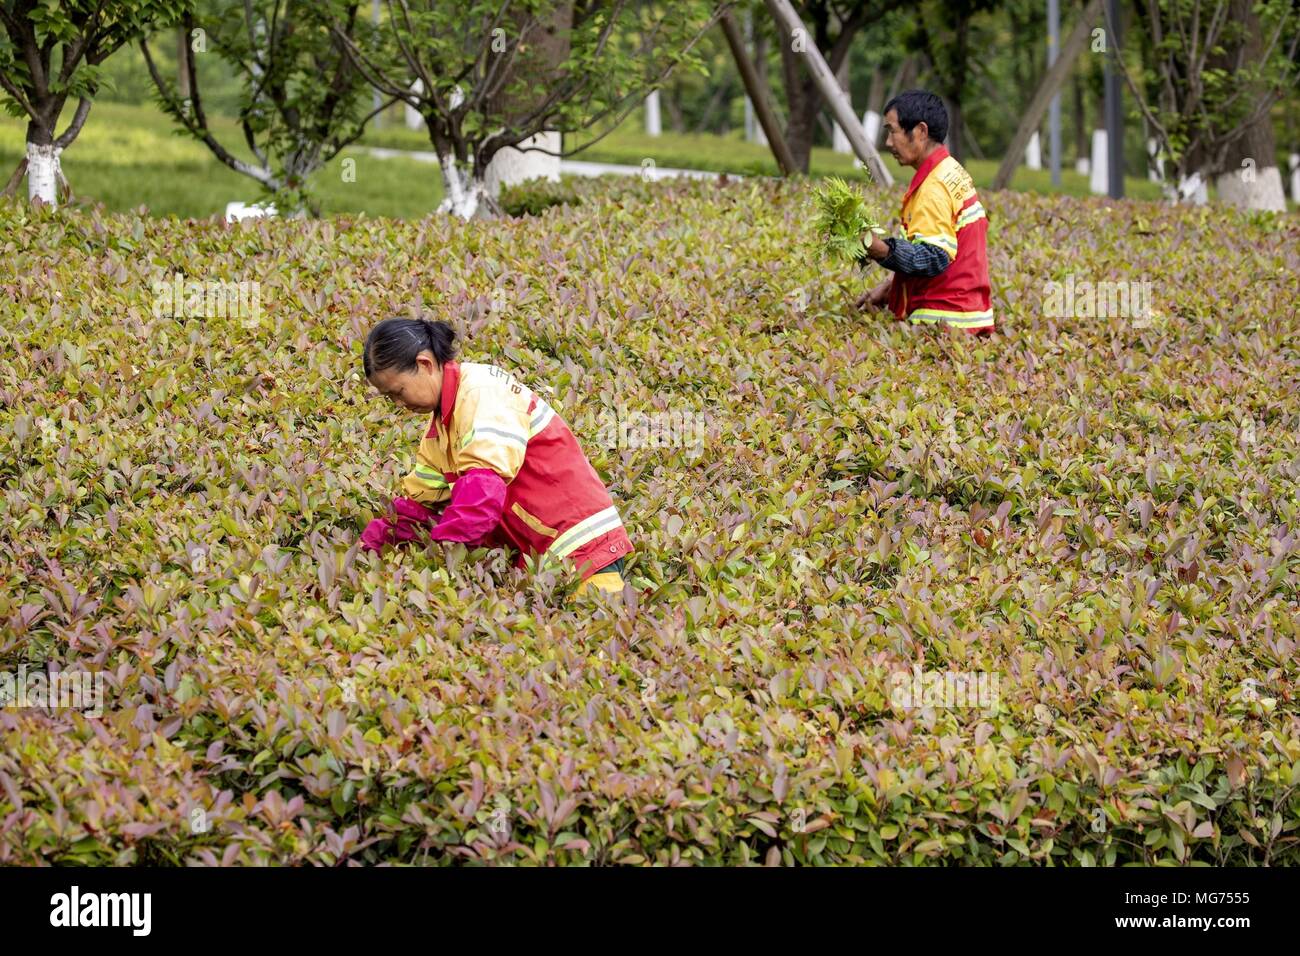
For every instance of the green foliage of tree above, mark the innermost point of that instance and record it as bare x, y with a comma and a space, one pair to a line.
486, 74
52, 52
302, 100
1211, 74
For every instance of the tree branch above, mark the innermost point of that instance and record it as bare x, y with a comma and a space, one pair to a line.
78, 120
197, 124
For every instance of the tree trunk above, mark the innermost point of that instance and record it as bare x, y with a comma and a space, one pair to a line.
547, 48
43, 168
957, 118
955, 143
756, 95
1082, 142
465, 195
674, 110
182, 60
821, 72
802, 102
1248, 177
1040, 102
520, 164
875, 102
876, 92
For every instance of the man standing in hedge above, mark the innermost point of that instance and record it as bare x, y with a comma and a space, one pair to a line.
940, 264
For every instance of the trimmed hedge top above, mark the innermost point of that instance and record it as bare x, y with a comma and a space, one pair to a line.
1097, 516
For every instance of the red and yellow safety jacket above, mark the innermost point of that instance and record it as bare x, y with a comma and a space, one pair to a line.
942, 208
491, 426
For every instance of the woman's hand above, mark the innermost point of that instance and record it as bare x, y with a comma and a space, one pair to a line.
406, 521
376, 535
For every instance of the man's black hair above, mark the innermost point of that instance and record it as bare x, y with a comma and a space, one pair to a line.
915, 106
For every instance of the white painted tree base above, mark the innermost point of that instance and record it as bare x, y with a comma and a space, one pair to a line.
1261, 191
412, 116
1155, 162
43, 173
653, 124
1191, 189
511, 165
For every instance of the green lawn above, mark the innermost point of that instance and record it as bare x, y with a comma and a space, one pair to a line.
129, 156
731, 154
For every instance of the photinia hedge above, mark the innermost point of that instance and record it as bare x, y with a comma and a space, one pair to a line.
833, 513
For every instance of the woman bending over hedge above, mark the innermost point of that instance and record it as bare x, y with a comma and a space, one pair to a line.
496, 466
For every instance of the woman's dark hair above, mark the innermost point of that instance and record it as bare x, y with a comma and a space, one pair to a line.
395, 344
916, 106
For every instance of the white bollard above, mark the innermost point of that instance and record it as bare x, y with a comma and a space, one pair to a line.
840, 140
1082, 166
1034, 152
870, 126
871, 123
653, 125
1098, 182
236, 211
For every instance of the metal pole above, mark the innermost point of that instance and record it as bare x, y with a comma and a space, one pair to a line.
1054, 111
1114, 106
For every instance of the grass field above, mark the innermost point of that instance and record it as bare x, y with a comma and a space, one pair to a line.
731, 154
129, 156
1093, 517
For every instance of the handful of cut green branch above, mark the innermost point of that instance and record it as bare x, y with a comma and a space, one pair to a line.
843, 221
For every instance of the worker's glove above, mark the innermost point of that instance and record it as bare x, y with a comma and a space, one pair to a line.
407, 520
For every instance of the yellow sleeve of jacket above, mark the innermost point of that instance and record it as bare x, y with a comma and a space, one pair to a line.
933, 217
490, 430
426, 482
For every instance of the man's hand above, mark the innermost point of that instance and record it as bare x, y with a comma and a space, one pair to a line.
876, 248
875, 298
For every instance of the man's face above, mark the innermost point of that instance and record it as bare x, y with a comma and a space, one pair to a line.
907, 148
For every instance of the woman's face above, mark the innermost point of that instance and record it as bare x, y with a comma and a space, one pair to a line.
418, 390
